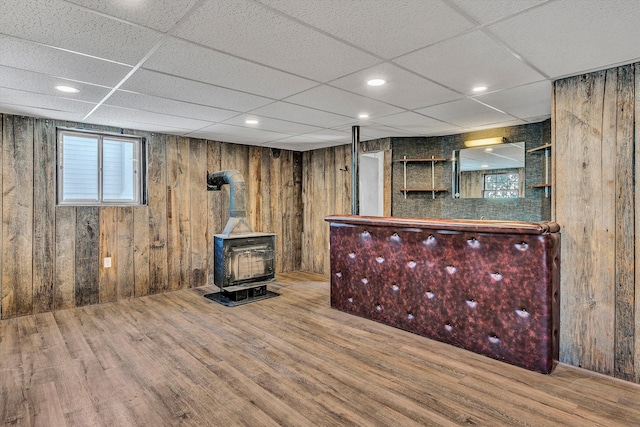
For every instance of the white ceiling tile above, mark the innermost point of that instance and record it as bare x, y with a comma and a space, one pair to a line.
485, 11
58, 63
164, 86
331, 135
155, 104
403, 89
335, 100
374, 131
388, 28
21, 110
525, 101
465, 113
300, 144
416, 123
470, 60
60, 24
256, 134
299, 114
217, 136
117, 113
28, 81
570, 37
224, 70
47, 102
274, 125
249, 30
159, 15
496, 125
123, 123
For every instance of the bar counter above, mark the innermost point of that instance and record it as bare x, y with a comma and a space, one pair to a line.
490, 287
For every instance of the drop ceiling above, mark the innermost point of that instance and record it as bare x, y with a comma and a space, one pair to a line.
201, 68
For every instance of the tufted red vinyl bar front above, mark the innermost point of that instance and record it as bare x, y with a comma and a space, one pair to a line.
490, 287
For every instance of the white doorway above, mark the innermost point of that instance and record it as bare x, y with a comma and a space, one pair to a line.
372, 183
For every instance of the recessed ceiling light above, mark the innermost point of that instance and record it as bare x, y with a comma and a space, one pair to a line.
484, 166
251, 122
363, 116
479, 88
67, 89
376, 82
488, 149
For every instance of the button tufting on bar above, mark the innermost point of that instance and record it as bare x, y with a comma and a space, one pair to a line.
395, 288
496, 276
429, 294
472, 303
365, 234
364, 280
473, 243
379, 260
350, 299
410, 316
448, 327
412, 264
395, 238
338, 274
493, 339
522, 246
352, 255
522, 312
378, 307
429, 241
450, 269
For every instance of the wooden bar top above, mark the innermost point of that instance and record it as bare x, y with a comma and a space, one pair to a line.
481, 226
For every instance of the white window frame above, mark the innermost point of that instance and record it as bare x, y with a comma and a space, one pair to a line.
139, 170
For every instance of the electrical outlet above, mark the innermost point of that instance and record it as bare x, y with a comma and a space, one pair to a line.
107, 262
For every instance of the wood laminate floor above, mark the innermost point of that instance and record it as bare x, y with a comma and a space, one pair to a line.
181, 359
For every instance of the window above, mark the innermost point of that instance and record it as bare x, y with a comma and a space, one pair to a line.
501, 185
100, 169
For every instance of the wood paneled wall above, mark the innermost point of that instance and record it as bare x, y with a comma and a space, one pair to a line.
596, 201
326, 190
51, 256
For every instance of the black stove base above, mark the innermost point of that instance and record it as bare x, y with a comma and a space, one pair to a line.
228, 299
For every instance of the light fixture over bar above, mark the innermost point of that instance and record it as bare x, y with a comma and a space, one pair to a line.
485, 141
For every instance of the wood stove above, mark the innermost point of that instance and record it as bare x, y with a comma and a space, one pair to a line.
244, 261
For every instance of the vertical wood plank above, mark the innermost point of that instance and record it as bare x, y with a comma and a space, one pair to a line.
330, 203
125, 253
157, 189
178, 223
87, 245
319, 202
17, 217
275, 205
265, 191
307, 226
636, 360
44, 190
288, 203
108, 249
4, 139
298, 208
199, 212
214, 205
254, 187
625, 221
141, 250
583, 163
65, 257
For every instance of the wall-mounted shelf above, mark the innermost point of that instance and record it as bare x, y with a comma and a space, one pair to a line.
433, 189
541, 149
432, 160
546, 150
417, 190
